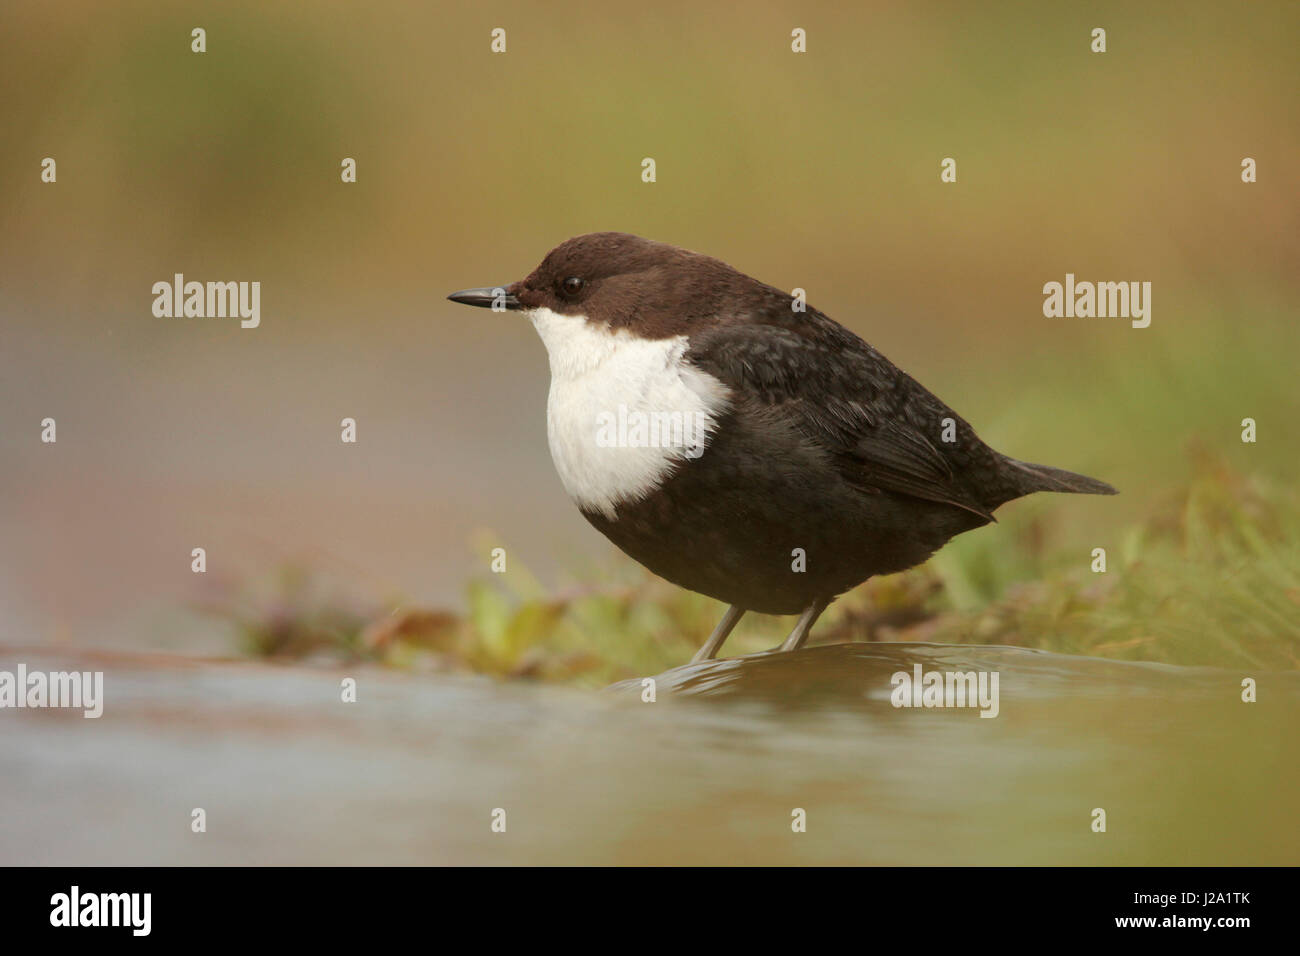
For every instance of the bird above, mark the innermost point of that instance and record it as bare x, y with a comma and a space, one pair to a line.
791, 460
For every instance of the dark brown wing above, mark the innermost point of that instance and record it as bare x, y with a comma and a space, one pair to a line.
882, 428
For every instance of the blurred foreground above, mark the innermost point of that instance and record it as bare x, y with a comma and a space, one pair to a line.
412, 772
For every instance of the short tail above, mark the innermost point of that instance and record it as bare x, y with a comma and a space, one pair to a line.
1031, 478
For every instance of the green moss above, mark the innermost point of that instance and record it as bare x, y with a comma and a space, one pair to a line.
1211, 576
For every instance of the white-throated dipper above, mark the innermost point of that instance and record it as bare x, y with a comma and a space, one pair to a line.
740, 443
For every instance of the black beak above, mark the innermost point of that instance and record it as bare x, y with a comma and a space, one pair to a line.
497, 298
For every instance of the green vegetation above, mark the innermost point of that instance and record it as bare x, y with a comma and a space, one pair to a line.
1211, 577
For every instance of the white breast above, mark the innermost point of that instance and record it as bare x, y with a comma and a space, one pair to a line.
604, 386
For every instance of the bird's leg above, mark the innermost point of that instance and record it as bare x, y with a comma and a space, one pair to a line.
711, 647
806, 620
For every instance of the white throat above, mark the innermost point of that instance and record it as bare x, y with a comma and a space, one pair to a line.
623, 412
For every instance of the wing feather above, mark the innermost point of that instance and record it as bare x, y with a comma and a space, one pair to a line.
875, 420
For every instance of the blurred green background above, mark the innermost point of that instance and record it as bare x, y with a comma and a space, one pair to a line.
818, 170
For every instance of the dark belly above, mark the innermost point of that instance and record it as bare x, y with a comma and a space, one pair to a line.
731, 524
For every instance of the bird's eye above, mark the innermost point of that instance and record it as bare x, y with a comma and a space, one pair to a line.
572, 285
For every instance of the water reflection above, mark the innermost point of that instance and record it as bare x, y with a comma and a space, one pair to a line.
709, 773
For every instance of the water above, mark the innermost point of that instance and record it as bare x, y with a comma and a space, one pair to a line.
709, 773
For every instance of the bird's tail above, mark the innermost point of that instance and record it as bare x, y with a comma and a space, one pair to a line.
1031, 478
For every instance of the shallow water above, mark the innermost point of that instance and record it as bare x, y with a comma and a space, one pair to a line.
708, 773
